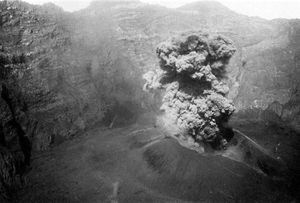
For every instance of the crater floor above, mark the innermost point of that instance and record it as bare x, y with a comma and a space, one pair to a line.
139, 164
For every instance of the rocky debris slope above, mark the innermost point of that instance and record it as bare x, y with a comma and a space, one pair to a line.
87, 169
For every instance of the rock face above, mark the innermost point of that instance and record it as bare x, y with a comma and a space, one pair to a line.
192, 71
60, 62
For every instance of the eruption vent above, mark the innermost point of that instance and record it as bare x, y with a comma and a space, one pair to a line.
192, 73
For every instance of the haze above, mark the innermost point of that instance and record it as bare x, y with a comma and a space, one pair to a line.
268, 9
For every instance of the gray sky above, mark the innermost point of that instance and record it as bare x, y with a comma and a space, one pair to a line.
268, 9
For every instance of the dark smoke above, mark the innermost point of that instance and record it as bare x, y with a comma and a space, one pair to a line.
193, 74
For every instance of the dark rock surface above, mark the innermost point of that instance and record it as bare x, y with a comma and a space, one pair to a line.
137, 164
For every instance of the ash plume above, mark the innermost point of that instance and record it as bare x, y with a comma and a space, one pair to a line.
193, 74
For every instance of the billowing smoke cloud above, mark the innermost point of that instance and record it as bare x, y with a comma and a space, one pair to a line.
192, 73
